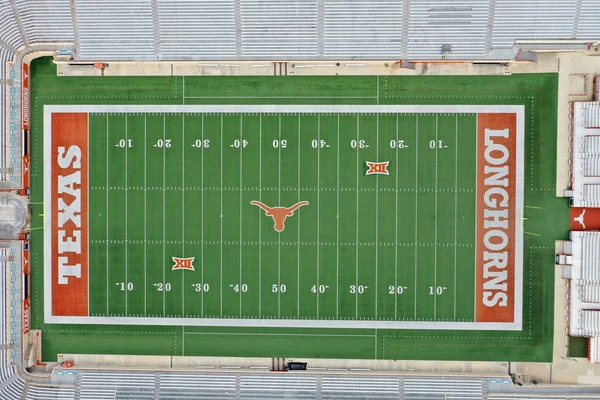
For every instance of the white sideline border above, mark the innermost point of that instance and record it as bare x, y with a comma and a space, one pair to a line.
519, 110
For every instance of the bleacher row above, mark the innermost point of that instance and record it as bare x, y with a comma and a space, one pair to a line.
591, 116
99, 385
590, 257
590, 293
584, 299
589, 323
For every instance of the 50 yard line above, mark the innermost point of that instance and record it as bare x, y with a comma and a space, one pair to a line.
107, 265
279, 233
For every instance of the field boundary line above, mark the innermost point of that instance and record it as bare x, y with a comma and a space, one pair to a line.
277, 334
281, 97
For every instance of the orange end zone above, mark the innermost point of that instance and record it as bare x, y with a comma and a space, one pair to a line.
496, 217
69, 214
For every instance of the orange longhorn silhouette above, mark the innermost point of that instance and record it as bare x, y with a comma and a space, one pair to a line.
279, 214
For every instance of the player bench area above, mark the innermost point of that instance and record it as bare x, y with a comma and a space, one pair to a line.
294, 216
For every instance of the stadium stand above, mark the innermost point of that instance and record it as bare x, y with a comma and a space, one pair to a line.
350, 29
585, 154
116, 30
145, 30
293, 29
301, 29
462, 27
584, 306
46, 20
191, 29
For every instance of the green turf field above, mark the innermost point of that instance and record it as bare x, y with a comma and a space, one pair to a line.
190, 178
337, 257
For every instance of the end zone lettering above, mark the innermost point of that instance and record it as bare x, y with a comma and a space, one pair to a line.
496, 217
69, 214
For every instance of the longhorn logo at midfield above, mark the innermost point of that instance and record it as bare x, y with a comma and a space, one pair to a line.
279, 214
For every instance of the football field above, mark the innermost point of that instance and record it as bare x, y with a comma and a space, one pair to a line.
298, 215
335, 217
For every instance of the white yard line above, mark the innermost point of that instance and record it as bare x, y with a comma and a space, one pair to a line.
416, 206
476, 184
202, 220
337, 227
241, 207
88, 213
145, 213
183, 210
377, 89
298, 278
107, 265
357, 192
377, 211
279, 233
455, 206
183, 90
318, 205
435, 208
396, 234
260, 216
164, 211
126, 224
221, 242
